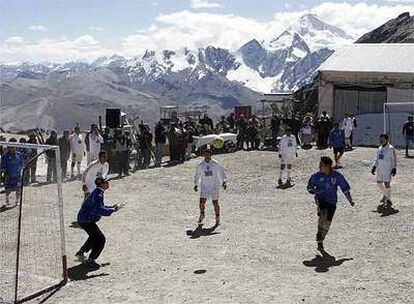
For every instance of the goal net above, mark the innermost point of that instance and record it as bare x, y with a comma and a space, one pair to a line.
395, 115
32, 242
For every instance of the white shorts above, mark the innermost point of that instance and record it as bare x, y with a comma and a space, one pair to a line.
210, 193
287, 159
384, 175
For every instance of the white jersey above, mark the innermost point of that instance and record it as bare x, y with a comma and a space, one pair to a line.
348, 126
385, 161
77, 145
95, 141
288, 145
209, 177
94, 170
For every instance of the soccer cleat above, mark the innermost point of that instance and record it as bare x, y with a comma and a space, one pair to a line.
280, 182
201, 218
383, 199
388, 204
80, 256
289, 182
92, 263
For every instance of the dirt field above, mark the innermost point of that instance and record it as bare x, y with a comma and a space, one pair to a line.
263, 252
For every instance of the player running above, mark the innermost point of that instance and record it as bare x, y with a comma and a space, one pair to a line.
337, 141
385, 167
209, 177
93, 208
324, 185
408, 132
287, 152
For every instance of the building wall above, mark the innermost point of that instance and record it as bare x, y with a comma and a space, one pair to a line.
326, 98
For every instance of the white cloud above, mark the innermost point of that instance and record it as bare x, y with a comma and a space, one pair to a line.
193, 30
96, 28
197, 4
200, 29
38, 28
14, 41
84, 47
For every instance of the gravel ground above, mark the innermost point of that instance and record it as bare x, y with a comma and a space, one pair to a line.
263, 252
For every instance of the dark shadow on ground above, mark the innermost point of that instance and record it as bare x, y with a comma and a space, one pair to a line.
49, 295
387, 212
284, 186
324, 261
81, 272
200, 271
200, 231
75, 225
5, 208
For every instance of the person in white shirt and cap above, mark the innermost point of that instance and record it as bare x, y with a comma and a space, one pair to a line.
348, 125
94, 140
97, 168
385, 167
209, 178
77, 147
287, 151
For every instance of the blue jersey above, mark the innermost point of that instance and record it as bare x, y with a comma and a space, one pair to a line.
93, 208
337, 138
325, 187
13, 165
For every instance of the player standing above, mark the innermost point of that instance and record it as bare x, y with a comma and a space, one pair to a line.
77, 147
337, 141
385, 167
209, 177
93, 208
12, 164
408, 131
348, 125
324, 185
287, 151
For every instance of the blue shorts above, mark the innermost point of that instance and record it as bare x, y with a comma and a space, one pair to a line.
12, 183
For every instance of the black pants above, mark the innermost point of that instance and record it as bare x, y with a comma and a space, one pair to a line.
95, 242
123, 161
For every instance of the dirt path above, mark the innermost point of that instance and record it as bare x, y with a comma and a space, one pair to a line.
264, 251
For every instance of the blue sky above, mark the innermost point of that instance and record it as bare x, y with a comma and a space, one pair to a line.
60, 30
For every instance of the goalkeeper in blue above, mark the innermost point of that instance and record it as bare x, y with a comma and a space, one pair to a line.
324, 186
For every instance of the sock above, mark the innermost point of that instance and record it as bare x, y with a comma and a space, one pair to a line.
388, 193
280, 174
381, 186
78, 166
289, 172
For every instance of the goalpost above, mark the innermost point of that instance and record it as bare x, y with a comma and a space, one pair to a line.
395, 115
32, 238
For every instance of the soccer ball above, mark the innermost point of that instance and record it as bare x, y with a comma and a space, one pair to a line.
218, 142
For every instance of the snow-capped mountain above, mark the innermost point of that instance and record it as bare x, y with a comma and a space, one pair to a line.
291, 59
214, 77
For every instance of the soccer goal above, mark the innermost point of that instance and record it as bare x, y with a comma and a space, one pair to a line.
32, 238
395, 115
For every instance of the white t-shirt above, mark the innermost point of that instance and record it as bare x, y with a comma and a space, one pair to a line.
95, 142
94, 170
288, 145
209, 177
77, 144
385, 158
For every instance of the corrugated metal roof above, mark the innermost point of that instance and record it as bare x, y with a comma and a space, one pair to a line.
381, 57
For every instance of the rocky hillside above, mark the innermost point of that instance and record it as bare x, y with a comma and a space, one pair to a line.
398, 30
